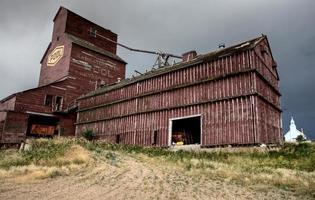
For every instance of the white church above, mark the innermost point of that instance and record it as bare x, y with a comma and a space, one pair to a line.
293, 133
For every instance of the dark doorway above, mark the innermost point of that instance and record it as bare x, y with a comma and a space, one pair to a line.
58, 105
186, 130
42, 126
117, 139
154, 137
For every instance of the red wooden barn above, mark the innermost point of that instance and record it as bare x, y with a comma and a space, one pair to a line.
76, 61
226, 97
229, 96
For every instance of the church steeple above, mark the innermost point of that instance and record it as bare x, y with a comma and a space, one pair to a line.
292, 124
293, 133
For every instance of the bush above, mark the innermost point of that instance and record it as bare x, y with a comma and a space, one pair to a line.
88, 135
300, 138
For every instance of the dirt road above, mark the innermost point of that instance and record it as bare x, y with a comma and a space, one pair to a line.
135, 177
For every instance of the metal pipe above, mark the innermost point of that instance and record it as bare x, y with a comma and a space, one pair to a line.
139, 50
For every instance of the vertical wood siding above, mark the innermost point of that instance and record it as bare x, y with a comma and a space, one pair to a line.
237, 98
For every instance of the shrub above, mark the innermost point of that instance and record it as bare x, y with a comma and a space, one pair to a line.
54, 173
300, 138
88, 135
112, 158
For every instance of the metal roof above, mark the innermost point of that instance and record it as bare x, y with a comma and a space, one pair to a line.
92, 47
197, 60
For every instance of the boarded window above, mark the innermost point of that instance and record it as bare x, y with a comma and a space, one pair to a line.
48, 100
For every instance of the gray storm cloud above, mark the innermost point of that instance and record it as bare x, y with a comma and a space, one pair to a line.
173, 26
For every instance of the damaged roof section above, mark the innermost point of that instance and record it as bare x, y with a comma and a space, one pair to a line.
247, 45
92, 47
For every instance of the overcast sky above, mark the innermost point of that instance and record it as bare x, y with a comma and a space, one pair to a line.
174, 26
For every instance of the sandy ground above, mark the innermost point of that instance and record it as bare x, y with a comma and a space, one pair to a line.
134, 177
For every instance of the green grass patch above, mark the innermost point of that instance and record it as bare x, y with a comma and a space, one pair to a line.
291, 167
45, 151
290, 156
42, 152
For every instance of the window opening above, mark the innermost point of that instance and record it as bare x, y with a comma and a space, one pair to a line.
58, 105
48, 100
93, 32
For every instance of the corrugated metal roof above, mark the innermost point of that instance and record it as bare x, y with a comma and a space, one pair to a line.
198, 59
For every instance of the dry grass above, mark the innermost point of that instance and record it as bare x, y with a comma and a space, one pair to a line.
300, 182
128, 172
73, 159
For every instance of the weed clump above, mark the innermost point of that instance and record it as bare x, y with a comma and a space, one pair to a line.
45, 150
16, 161
112, 158
41, 151
88, 135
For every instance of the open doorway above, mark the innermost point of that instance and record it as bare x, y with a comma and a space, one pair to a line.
42, 126
185, 130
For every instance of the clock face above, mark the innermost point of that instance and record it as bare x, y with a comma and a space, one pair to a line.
55, 56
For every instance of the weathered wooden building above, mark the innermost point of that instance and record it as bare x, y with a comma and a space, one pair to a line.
226, 97
229, 96
77, 60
